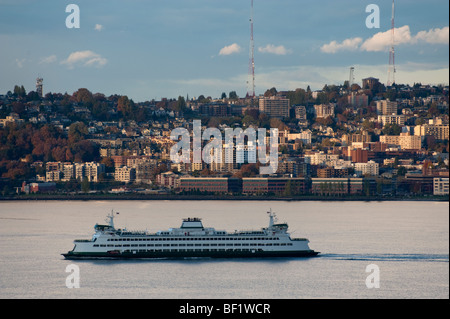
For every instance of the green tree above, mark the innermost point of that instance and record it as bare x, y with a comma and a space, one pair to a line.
181, 104
392, 129
233, 95
85, 185
19, 91
77, 132
288, 189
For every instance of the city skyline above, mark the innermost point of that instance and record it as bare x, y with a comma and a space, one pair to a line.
149, 50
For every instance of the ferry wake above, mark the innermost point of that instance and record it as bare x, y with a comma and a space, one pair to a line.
191, 240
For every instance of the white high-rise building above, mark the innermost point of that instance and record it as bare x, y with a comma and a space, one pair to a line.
369, 168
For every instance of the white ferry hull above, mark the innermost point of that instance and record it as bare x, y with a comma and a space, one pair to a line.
186, 255
191, 240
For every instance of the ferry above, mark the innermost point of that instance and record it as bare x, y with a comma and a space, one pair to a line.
191, 240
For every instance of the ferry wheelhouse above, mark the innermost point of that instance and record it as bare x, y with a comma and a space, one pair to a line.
192, 239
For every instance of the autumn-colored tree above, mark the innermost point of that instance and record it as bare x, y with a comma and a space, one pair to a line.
83, 96
126, 107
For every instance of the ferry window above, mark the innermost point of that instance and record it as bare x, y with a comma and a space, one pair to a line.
205, 244
174, 245
237, 244
95, 245
283, 244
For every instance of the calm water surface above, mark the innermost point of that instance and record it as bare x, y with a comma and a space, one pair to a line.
408, 241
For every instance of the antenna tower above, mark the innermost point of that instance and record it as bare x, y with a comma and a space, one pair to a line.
352, 78
251, 66
39, 86
392, 70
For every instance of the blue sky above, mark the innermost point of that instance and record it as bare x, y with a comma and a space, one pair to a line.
149, 49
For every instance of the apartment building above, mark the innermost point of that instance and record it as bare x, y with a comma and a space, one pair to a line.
405, 141
274, 106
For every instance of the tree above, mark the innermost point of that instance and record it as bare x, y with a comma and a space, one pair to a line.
85, 185
126, 107
392, 129
288, 189
181, 104
272, 92
19, 91
77, 132
233, 95
401, 171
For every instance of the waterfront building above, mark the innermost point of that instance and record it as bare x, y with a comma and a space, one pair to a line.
441, 186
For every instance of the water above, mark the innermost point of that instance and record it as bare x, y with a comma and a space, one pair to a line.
408, 241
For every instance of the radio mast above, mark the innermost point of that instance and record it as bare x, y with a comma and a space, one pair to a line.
251, 66
392, 70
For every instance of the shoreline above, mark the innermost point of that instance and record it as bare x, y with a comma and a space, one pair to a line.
125, 197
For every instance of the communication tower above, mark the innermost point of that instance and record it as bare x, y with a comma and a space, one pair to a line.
39, 86
251, 66
392, 70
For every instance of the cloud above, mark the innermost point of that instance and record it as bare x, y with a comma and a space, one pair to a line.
85, 58
48, 59
98, 27
20, 63
348, 44
272, 49
230, 49
434, 36
382, 40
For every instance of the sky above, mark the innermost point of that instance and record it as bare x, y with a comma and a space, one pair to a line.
153, 49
